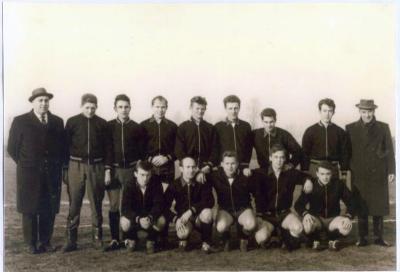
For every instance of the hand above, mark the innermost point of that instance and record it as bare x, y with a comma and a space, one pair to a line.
186, 216
159, 160
309, 219
107, 177
308, 186
247, 172
180, 227
201, 177
346, 223
145, 222
343, 175
125, 223
206, 169
391, 178
65, 176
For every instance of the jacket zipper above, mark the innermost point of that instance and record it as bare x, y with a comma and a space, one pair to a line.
122, 144
188, 190
159, 139
234, 137
88, 141
276, 196
232, 202
326, 202
198, 158
326, 142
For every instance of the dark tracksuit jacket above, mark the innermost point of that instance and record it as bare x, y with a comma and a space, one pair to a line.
125, 144
135, 204
233, 198
86, 138
324, 200
160, 140
264, 141
325, 143
238, 138
273, 196
195, 141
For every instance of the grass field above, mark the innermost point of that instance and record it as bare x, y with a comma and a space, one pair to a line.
88, 259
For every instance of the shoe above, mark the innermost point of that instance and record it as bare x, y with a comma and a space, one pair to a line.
97, 238
113, 245
381, 242
150, 247
316, 245
47, 247
243, 245
207, 249
130, 245
334, 245
362, 242
69, 247
274, 242
31, 249
227, 245
182, 247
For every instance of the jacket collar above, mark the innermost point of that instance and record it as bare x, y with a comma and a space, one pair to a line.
195, 121
36, 118
183, 182
322, 125
270, 171
368, 125
229, 122
153, 120
119, 121
272, 133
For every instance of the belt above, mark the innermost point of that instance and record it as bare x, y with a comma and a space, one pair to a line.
125, 164
318, 161
86, 160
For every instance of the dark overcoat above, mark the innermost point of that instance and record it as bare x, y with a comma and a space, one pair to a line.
372, 160
38, 151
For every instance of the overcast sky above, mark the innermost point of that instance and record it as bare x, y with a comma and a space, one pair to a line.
287, 56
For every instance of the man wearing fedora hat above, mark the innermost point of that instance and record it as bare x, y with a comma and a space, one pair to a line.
36, 145
372, 165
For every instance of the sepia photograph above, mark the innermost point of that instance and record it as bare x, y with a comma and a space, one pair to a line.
200, 135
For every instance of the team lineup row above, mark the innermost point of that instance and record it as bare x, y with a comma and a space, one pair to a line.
130, 161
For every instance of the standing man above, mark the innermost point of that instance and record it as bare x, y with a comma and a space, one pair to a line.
372, 165
325, 141
36, 143
265, 138
195, 137
233, 134
86, 140
160, 141
125, 149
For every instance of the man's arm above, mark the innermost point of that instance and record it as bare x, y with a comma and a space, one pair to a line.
14, 140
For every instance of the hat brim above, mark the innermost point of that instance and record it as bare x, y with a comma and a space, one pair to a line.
366, 108
49, 95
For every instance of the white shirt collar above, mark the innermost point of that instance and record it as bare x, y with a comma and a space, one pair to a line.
40, 117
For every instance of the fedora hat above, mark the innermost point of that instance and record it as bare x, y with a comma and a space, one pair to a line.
40, 92
367, 104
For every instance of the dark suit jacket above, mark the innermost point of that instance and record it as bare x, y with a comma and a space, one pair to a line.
38, 151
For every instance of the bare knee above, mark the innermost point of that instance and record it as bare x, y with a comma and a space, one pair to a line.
222, 226
249, 223
206, 216
296, 229
160, 223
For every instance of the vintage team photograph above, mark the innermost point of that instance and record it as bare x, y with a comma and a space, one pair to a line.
199, 136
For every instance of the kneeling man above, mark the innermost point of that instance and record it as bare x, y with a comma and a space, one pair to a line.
233, 194
193, 206
324, 208
142, 207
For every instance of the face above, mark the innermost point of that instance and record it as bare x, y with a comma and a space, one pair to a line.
159, 109
232, 110
326, 113
367, 115
122, 108
142, 176
89, 109
324, 175
278, 159
188, 169
198, 111
41, 104
269, 123
230, 166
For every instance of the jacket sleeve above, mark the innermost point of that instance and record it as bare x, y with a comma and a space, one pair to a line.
390, 160
216, 149
109, 154
14, 141
128, 203
300, 205
213, 136
347, 198
67, 138
207, 199
294, 149
307, 145
259, 151
248, 148
171, 153
169, 197
300, 177
158, 201
344, 151
180, 146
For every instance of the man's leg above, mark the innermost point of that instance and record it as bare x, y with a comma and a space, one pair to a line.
291, 231
183, 231
339, 226
264, 231
223, 223
95, 191
312, 230
378, 231
46, 226
113, 193
153, 233
246, 225
29, 227
205, 223
129, 232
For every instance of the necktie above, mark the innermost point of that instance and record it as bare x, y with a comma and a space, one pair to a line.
43, 119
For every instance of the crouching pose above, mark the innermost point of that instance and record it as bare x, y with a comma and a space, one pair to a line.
193, 206
273, 194
233, 194
324, 208
142, 207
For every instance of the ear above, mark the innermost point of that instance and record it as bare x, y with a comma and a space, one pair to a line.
135, 174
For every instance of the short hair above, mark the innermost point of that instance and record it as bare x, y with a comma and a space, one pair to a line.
160, 98
144, 165
229, 154
199, 100
231, 99
186, 157
327, 101
88, 98
326, 165
277, 147
268, 112
121, 97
